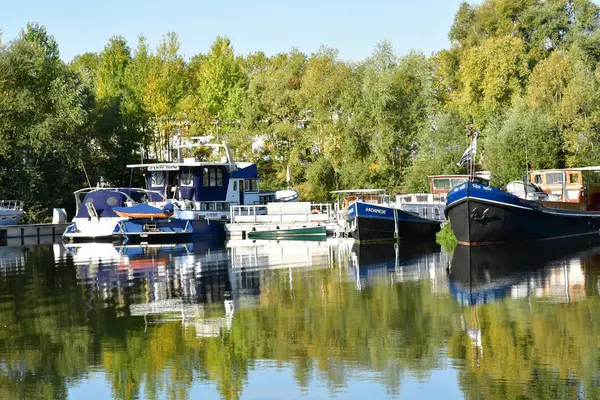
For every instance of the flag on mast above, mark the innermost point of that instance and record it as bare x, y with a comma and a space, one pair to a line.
470, 152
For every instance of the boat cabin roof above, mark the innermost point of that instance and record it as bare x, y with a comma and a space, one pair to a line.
480, 174
597, 169
358, 191
176, 165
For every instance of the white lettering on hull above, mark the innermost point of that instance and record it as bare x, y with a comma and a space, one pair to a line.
375, 210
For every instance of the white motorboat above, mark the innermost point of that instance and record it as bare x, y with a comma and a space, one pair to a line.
11, 212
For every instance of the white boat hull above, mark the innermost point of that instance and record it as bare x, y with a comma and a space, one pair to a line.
10, 217
94, 228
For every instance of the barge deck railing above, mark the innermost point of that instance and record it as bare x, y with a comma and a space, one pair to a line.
282, 212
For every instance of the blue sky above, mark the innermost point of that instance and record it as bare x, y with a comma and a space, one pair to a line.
352, 27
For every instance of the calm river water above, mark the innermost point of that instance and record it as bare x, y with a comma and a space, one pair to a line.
271, 320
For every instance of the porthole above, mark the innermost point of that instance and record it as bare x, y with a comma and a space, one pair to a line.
112, 201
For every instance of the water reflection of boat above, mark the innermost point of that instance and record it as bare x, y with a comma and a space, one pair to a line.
486, 274
401, 262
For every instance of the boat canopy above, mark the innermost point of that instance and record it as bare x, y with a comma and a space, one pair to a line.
140, 211
104, 199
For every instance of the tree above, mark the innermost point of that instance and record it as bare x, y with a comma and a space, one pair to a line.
44, 114
439, 147
491, 74
522, 135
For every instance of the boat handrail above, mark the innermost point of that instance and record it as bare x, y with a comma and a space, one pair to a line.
15, 205
421, 198
282, 211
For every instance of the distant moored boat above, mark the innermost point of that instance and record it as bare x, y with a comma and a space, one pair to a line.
11, 212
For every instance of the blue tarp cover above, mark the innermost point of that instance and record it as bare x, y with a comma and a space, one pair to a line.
139, 209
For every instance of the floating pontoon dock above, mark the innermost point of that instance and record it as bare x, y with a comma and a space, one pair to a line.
24, 231
282, 217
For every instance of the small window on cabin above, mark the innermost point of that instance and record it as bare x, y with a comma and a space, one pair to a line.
441, 184
456, 181
247, 185
254, 184
235, 186
574, 178
112, 201
554, 178
537, 179
203, 207
158, 179
211, 206
187, 179
205, 172
219, 177
213, 177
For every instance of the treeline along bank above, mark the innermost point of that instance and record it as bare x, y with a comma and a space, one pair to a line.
523, 72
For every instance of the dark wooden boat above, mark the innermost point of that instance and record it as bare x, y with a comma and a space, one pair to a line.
481, 215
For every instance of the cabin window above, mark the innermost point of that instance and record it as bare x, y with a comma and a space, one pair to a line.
251, 185
441, 184
573, 178
222, 207
212, 177
537, 179
205, 177
203, 207
187, 179
158, 178
211, 206
456, 181
554, 178
235, 186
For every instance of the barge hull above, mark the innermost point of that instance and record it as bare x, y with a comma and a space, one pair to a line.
482, 220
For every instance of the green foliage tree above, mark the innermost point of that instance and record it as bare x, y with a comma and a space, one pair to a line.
380, 122
439, 147
44, 115
522, 135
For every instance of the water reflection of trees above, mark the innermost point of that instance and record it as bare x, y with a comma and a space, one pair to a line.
56, 332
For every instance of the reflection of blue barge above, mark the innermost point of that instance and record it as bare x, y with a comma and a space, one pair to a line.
486, 274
